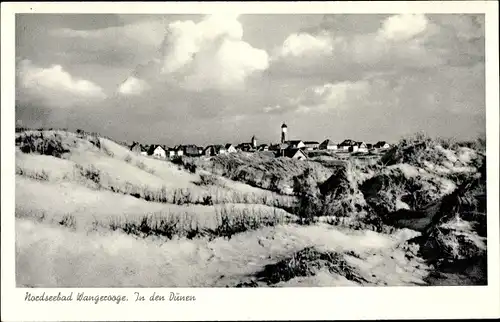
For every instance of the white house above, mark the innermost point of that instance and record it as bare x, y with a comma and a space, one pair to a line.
230, 148
214, 150
295, 154
328, 145
295, 144
362, 147
157, 151
245, 147
311, 145
263, 147
381, 145
178, 150
348, 146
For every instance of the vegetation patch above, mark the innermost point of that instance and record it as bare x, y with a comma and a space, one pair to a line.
90, 173
308, 262
258, 169
68, 221
208, 179
228, 222
47, 143
458, 230
41, 175
403, 187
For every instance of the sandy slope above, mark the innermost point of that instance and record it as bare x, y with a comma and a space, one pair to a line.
55, 200
122, 169
53, 256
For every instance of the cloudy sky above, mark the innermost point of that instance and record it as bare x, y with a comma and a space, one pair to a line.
174, 79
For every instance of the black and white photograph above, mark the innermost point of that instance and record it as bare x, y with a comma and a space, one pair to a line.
233, 149
250, 150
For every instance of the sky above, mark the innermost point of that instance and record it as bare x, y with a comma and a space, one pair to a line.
195, 79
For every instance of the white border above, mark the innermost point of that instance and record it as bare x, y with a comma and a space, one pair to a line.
270, 304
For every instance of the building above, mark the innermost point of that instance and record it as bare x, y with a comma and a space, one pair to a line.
381, 145
248, 147
157, 151
295, 144
328, 145
294, 153
138, 148
245, 147
212, 150
277, 146
348, 146
311, 145
178, 150
190, 150
254, 143
230, 148
362, 147
263, 147
284, 130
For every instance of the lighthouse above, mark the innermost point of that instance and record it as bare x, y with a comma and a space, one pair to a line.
284, 128
254, 142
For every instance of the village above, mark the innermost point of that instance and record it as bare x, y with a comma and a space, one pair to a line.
296, 149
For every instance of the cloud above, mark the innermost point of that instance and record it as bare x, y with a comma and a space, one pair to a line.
305, 44
362, 76
225, 65
399, 42
184, 39
133, 86
56, 78
323, 98
55, 85
208, 55
143, 33
273, 109
403, 27
126, 45
331, 96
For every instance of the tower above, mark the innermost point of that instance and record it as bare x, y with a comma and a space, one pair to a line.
254, 142
284, 129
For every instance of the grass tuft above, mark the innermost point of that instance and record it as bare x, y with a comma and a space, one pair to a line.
308, 262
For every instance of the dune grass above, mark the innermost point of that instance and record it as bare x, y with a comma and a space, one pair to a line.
227, 222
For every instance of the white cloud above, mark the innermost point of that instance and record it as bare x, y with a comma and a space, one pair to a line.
305, 44
403, 27
322, 98
225, 66
273, 109
401, 41
55, 81
331, 96
209, 54
121, 46
147, 33
184, 39
133, 86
